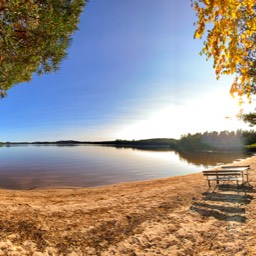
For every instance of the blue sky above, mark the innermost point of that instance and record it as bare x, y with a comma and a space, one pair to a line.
133, 72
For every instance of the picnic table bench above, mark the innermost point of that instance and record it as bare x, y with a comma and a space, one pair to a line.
228, 173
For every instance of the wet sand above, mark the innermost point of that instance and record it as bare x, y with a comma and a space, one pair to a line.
172, 216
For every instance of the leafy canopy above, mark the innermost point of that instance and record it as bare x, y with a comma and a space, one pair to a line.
249, 118
34, 36
230, 40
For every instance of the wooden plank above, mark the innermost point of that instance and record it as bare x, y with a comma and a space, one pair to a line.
225, 174
222, 173
241, 167
224, 170
226, 179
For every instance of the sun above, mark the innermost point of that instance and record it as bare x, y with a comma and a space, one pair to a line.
215, 112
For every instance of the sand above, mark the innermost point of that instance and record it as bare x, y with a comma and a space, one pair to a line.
172, 216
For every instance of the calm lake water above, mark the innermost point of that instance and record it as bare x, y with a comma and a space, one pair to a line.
32, 166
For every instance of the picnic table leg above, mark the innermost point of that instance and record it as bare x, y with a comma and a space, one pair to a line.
217, 181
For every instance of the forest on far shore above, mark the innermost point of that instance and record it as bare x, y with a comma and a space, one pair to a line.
239, 139
207, 141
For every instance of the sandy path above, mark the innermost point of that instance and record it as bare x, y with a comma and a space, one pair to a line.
171, 217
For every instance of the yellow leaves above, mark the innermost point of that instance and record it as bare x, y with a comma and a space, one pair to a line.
198, 34
233, 15
234, 88
230, 41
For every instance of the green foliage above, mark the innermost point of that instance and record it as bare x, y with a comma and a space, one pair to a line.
34, 36
217, 140
154, 143
251, 147
249, 137
192, 142
249, 118
223, 139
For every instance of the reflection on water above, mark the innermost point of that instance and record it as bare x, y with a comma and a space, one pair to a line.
29, 166
203, 159
209, 159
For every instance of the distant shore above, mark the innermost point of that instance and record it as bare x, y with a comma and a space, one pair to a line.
186, 144
171, 216
147, 143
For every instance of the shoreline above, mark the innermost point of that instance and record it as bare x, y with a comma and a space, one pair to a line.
168, 216
39, 188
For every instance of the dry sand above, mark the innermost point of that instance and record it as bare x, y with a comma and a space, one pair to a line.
173, 216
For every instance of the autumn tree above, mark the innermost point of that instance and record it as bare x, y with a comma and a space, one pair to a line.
34, 37
230, 39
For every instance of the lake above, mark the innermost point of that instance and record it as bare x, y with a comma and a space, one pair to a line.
33, 166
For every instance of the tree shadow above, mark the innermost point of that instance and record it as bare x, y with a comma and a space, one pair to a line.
228, 204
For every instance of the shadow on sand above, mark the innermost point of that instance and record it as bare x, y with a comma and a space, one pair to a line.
227, 204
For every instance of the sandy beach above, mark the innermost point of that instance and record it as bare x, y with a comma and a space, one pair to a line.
171, 216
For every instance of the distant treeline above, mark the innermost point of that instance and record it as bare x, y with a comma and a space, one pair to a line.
224, 140
218, 140
207, 141
154, 143
157, 142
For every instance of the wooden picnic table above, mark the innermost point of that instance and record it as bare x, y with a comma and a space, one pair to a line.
228, 173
